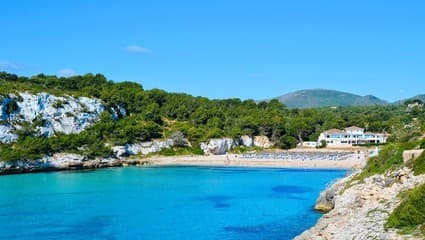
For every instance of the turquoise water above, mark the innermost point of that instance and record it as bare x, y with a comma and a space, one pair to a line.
161, 203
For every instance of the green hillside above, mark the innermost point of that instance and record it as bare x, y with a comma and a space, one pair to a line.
156, 113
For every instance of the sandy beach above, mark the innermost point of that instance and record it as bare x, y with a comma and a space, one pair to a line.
236, 161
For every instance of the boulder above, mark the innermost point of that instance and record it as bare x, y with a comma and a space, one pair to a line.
120, 151
247, 141
218, 146
179, 140
262, 141
326, 200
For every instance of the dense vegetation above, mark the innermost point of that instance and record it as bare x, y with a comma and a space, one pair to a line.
410, 214
157, 114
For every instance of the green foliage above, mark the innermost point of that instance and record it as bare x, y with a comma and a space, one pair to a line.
242, 149
59, 104
180, 151
418, 165
410, 214
323, 144
390, 157
156, 113
11, 106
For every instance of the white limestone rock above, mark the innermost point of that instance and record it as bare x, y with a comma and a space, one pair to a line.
63, 160
50, 113
262, 141
361, 211
218, 146
117, 112
143, 148
58, 161
6, 134
247, 141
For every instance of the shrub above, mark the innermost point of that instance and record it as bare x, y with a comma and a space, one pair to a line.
389, 157
418, 165
410, 214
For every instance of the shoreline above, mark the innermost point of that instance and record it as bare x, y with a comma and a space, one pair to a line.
233, 160
229, 160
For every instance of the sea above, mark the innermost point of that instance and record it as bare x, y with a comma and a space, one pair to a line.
155, 203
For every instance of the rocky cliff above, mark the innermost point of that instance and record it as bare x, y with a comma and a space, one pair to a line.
361, 211
46, 114
221, 146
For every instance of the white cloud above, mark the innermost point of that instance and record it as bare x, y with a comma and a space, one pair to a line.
9, 66
67, 72
138, 49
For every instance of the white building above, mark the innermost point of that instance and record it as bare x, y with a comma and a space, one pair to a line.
350, 136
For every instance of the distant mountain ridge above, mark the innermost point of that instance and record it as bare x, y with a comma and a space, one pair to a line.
420, 97
313, 98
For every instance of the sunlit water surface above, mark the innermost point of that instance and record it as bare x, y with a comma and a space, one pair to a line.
161, 203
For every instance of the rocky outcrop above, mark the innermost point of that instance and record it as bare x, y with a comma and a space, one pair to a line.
262, 141
409, 155
118, 112
218, 146
246, 141
46, 114
57, 161
178, 140
63, 161
361, 211
143, 148
326, 200
6, 134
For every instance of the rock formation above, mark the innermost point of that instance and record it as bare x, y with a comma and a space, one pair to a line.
46, 114
218, 146
262, 141
247, 141
143, 148
361, 211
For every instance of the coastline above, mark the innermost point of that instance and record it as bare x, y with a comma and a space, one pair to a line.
228, 160
361, 211
234, 160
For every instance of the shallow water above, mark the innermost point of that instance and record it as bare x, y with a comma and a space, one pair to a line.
161, 203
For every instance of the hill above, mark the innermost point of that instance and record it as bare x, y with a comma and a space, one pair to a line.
94, 117
420, 97
313, 98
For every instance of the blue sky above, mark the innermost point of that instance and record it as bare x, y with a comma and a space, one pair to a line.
223, 49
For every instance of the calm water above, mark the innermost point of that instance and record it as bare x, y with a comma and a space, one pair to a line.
161, 203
